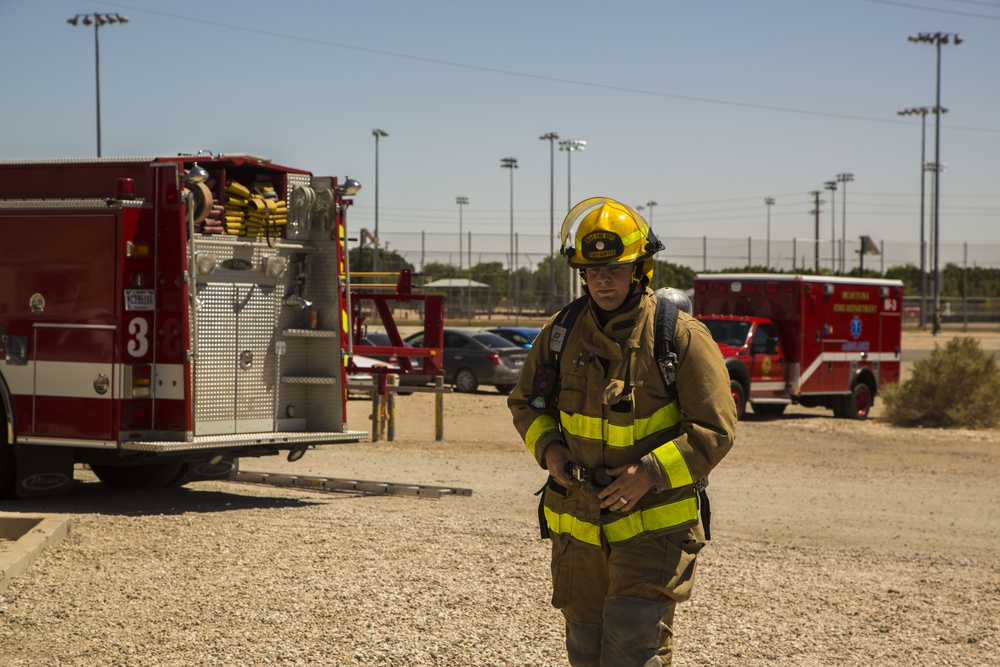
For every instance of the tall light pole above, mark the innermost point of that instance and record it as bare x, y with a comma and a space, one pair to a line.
462, 201
551, 138
922, 112
937, 39
935, 168
510, 163
769, 202
570, 146
832, 187
844, 178
650, 204
97, 20
378, 134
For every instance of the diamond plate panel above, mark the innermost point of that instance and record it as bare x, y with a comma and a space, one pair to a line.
257, 318
242, 321
214, 369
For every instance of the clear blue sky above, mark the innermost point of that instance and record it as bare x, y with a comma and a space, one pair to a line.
704, 107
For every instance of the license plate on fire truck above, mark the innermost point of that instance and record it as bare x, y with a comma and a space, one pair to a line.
139, 299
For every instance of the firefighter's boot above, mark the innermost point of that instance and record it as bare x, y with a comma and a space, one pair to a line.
583, 643
635, 634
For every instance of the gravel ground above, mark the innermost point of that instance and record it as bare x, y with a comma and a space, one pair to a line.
835, 543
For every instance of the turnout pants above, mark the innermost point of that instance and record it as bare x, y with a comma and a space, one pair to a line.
619, 603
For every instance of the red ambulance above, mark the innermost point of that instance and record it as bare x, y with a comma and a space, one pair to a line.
812, 340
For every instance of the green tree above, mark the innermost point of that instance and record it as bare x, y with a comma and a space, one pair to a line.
440, 271
668, 274
493, 274
909, 274
362, 260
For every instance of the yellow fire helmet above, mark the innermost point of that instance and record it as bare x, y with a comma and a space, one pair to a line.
602, 232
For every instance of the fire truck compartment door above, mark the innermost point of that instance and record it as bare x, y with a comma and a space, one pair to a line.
75, 382
235, 367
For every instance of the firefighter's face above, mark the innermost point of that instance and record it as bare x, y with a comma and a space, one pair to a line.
609, 285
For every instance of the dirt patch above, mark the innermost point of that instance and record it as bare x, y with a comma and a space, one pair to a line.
835, 543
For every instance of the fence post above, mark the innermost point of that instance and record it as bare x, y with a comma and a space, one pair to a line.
439, 408
376, 413
390, 396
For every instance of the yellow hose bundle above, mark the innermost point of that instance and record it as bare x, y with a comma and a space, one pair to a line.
238, 190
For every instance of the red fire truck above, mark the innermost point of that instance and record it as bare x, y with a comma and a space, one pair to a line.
161, 317
812, 340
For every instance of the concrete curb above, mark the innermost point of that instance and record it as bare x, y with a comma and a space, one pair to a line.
32, 535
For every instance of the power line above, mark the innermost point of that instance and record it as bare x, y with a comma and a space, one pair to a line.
544, 77
953, 12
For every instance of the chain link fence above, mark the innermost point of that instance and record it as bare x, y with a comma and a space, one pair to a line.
480, 282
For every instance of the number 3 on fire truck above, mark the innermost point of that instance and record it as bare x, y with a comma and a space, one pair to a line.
138, 345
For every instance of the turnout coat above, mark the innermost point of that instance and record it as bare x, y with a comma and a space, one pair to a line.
613, 408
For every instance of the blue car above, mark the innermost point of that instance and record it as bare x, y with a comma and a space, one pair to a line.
520, 336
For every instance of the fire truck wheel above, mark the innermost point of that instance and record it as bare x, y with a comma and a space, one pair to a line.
150, 476
839, 406
465, 381
769, 409
739, 397
182, 477
7, 465
859, 403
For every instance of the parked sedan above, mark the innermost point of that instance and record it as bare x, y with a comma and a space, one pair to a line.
380, 339
473, 357
520, 336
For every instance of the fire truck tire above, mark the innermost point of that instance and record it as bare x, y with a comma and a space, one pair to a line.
465, 381
858, 404
739, 397
151, 476
839, 404
769, 409
7, 465
182, 477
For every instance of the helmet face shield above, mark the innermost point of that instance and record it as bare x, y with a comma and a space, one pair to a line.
602, 232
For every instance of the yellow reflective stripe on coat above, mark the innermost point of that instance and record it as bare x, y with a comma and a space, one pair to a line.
542, 425
674, 465
567, 524
598, 428
582, 426
652, 519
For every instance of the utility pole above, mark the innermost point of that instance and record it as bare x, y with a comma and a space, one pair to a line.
815, 212
832, 187
769, 202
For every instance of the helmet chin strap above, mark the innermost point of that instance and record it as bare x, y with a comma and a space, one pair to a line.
633, 286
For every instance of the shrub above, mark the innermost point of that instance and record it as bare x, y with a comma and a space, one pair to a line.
958, 386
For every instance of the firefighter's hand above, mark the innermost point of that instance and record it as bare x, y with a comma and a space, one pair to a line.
631, 483
556, 458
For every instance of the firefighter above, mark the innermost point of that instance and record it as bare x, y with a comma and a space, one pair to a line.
628, 449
